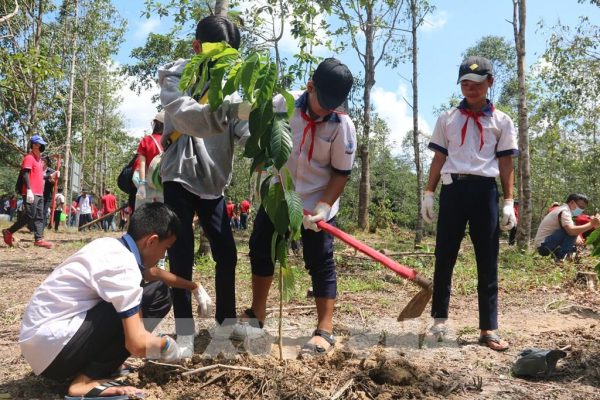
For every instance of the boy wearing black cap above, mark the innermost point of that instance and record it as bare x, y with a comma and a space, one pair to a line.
473, 144
324, 145
31, 186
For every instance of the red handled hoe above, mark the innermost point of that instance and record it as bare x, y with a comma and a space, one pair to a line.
417, 304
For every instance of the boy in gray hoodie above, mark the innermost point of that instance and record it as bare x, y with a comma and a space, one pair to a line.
195, 168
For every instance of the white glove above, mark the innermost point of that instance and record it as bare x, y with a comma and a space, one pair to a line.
240, 110
427, 207
141, 192
509, 219
320, 213
29, 197
204, 302
171, 352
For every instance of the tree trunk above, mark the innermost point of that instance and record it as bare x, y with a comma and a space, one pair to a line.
32, 127
364, 192
416, 147
221, 7
525, 204
69, 115
84, 120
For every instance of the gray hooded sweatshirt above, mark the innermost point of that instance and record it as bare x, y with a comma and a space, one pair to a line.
201, 159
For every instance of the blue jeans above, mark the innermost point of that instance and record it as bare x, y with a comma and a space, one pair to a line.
559, 243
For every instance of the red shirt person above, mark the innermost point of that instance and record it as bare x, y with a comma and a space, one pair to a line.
244, 212
31, 181
109, 206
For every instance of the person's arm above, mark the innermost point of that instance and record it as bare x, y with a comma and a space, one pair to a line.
138, 341
334, 189
172, 280
435, 171
574, 230
507, 176
26, 173
142, 167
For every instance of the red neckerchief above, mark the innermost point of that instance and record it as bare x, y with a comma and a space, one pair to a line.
475, 115
312, 125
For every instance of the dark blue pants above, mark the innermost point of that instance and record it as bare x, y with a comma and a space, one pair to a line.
475, 202
317, 250
559, 243
215, 222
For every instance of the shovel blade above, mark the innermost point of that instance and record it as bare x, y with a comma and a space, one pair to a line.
416, 305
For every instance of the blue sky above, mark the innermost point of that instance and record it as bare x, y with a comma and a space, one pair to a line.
454, 26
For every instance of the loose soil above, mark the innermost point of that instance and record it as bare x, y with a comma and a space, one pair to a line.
376, 357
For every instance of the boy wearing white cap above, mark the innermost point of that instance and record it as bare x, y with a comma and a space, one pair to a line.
473, 144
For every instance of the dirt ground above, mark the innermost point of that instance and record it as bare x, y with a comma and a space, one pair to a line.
376, 357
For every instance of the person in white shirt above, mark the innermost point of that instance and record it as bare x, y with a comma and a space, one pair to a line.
324, 146
473, 144
85, 319
557, 234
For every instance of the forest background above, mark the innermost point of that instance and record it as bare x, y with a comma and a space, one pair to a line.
63, 74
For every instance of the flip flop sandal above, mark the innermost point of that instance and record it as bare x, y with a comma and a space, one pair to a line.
316, 349
96, 393
491, 337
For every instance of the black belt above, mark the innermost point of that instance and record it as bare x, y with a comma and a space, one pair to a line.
469, 177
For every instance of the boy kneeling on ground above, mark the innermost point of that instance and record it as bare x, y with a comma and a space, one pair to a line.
96, 309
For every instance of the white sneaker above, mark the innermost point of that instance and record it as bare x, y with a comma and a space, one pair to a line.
243, 331
186, 345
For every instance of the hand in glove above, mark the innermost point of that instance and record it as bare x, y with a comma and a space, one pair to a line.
204, 302
509, 219
141, 192
239, 111
320, 213
29, 197
427, 207
171, 351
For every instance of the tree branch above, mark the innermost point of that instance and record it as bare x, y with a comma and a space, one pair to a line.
12, 14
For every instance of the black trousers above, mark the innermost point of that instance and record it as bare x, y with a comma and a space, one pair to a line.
215, 222
475, 202
57, 214
98, 348
32, 217
317, 250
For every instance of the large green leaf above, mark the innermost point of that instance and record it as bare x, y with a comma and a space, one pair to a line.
282, 219
266, 83
249, 72
281, 140
289, 102
215, 94
233, 79
295, 210
594, 238
259, 162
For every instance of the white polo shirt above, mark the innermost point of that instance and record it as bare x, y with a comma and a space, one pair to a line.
334, 150
550, 223
102, 270
478, 154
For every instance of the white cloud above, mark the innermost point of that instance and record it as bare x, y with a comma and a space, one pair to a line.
137, 110
392, 107
435, 21
146, 27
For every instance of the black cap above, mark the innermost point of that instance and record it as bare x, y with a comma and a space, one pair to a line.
475, 68
333, 81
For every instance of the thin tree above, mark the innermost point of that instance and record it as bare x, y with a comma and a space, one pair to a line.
69, 116
525, 212
372, 27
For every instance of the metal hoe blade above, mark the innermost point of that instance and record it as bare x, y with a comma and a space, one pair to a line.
417, 304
